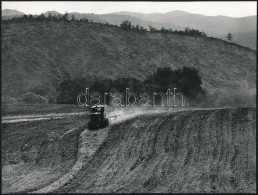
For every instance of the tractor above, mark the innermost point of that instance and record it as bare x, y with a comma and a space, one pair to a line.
98, 118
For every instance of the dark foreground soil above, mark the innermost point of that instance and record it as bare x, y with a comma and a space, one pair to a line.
188, 151
37, 153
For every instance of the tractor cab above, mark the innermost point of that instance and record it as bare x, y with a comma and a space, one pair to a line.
98, 117
99, 110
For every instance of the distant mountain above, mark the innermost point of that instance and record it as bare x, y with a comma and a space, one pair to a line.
53, 13
217, 26
118, 19
213, 25
10, 12
90, 17
155, 17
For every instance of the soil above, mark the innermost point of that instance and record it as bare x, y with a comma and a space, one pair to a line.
210, 150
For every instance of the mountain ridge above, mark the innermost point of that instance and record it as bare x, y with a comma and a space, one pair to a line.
212, 25
53, 13
11, 12
217, 26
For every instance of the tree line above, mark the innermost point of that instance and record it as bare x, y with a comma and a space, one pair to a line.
49, 17
127, 25
187, 81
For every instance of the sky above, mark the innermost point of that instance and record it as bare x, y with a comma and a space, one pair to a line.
230, 8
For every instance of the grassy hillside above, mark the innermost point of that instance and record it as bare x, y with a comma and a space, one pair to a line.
39, 55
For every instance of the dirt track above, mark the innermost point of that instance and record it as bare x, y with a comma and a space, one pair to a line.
188, 151
29, 118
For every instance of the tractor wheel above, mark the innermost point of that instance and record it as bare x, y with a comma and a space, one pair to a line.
105, 122
91, 126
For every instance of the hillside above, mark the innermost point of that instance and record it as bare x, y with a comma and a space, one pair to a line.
188, 151
40, 55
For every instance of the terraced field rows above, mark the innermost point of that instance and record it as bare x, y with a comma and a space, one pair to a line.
209, 150
193, 151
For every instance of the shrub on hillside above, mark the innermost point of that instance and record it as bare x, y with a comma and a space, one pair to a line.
126, 25
186, 80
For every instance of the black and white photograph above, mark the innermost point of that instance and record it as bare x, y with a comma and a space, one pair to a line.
128, 97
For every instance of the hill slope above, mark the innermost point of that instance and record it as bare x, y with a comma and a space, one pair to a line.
43, 54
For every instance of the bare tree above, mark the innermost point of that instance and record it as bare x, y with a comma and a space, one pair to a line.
229, 37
